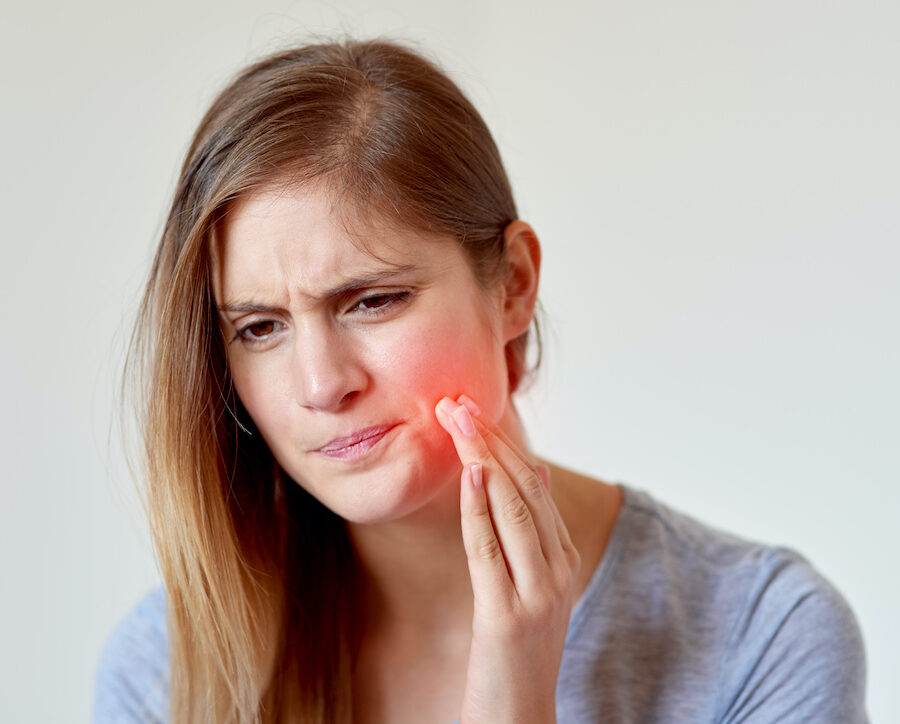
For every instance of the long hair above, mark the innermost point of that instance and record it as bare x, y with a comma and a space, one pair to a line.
260, 577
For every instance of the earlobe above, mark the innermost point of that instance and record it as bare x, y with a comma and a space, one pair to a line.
523, 258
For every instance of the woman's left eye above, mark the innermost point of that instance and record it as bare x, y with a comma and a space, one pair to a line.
379, 303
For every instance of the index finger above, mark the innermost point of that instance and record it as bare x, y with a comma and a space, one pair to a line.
511, 458
493, 428
552, 532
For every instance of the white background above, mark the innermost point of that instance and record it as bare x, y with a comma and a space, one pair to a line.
716, 186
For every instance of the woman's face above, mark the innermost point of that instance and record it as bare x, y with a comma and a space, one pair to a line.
340, 355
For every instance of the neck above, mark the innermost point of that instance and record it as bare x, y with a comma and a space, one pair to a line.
414, 570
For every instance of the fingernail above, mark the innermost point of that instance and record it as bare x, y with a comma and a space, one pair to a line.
476, 473
464, 421
469, 404
446, 405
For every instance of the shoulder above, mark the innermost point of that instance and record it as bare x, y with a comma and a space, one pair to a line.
783, 642
795, 650
132, 679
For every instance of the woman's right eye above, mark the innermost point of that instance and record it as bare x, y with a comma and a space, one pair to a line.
257, 332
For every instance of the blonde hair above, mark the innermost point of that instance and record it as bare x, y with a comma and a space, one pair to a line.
260, 576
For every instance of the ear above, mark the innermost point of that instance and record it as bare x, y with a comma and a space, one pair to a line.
520, 284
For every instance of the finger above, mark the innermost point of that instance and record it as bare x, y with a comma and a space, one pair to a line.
493, 431
565, 539
513, 521
529, 483
491, 582
544, 472
475, 411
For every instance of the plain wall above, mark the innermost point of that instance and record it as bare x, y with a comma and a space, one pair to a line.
716, 187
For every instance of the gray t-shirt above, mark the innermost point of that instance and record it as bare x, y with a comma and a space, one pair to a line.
680, 623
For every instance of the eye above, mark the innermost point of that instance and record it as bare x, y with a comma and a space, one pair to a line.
379, 303
257, 332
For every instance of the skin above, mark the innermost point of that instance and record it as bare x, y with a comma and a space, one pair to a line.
468, 588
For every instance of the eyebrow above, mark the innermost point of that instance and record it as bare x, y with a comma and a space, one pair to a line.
348, 287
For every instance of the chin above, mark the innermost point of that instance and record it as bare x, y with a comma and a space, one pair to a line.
390, 495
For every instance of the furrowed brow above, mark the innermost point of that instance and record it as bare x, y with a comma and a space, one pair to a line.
348, 287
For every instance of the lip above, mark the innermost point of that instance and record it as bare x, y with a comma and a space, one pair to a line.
356, 445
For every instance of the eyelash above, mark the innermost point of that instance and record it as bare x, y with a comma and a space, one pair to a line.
391, 299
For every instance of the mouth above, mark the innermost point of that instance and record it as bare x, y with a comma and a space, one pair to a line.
357, 445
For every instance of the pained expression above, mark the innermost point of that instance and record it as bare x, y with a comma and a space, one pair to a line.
326, 341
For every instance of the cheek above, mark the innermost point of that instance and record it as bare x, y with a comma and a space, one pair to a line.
449, 360
268, 404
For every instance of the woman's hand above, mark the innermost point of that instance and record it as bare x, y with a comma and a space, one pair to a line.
523, 568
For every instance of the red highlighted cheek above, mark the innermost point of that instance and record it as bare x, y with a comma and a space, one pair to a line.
453, 358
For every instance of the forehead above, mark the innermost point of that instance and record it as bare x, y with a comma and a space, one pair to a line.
300, 239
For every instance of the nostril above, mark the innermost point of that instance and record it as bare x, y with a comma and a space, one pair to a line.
349, 396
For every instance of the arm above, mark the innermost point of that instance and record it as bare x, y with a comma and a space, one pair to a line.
132, 682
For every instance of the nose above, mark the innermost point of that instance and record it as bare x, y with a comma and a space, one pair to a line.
329, 371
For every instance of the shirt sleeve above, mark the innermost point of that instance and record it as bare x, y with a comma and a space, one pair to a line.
132, 682
795, 653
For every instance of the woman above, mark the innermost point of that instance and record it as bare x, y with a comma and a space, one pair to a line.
349, 522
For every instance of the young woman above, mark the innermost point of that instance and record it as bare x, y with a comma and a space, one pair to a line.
348, 518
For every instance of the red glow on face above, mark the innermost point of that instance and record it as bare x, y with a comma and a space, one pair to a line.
340, 357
